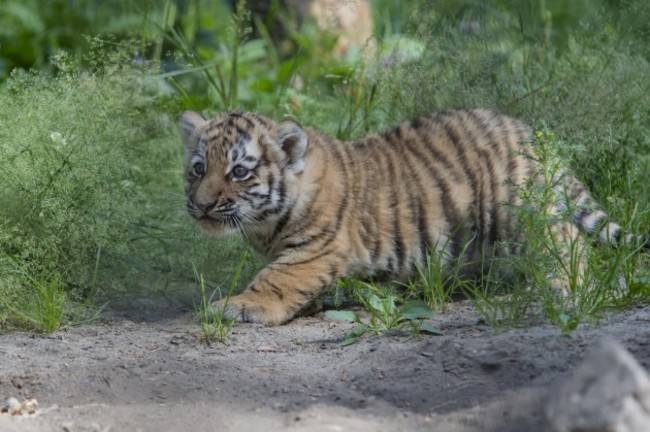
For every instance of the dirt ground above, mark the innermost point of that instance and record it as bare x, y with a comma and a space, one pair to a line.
133, 372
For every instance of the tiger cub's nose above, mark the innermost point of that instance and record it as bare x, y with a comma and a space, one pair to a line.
206, 207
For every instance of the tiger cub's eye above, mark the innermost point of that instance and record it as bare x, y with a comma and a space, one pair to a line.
198, 168
239, 171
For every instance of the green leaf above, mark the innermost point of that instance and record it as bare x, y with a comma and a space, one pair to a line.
375, 302
568, 322
385, 306
262, 85
353, 336
429, 329
252, 50
414, 310
342, 315
28, 16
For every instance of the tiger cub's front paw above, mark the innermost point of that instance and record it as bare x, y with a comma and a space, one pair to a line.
246, 308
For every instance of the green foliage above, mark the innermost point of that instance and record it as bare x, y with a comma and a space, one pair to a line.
214, 324
593, 279
233, 70
440, 278
31, 31
595, 276
91, 178
385, 316
43, 309
71, 168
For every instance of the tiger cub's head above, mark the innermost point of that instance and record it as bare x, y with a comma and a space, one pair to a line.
239, 169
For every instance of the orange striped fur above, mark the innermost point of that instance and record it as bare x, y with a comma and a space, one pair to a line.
321, 209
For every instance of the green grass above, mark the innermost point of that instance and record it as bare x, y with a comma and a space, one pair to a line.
215, 326
44, 309
91, 174
592, 289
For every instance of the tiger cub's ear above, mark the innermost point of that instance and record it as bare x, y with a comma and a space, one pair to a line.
293, 141
189, 126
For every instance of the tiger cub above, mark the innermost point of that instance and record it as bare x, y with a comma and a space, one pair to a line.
321, 209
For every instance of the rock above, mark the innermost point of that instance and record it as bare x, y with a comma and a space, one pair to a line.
609, 392
13, 406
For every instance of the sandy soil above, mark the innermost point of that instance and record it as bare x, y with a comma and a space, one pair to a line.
135, 373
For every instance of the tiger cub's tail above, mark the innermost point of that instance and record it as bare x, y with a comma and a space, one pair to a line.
596, 224
592, 220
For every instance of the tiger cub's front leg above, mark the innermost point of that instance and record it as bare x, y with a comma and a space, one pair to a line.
280, 291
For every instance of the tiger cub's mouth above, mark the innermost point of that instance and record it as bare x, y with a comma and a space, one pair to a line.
230, 218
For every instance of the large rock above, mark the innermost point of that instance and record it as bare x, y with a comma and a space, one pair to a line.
609, 392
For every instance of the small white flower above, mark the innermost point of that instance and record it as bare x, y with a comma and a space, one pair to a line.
58, 138
127, 184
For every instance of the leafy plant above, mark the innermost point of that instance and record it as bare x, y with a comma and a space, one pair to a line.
385, 315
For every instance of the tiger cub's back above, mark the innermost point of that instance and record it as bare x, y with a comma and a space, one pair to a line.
436, 183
